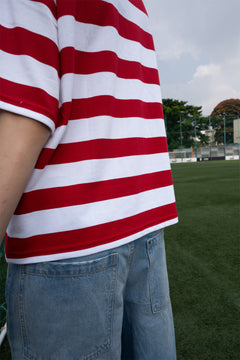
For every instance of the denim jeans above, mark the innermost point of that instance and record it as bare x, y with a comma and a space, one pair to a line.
108, 306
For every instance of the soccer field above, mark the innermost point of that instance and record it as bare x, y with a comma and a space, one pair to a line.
203, 260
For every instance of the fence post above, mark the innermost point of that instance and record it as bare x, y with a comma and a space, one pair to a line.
224, 122
210, 155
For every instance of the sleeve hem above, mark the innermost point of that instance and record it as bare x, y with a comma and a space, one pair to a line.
28, 113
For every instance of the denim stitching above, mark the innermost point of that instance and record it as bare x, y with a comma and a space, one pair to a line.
150, 243
77, 274
107, 346
22, 315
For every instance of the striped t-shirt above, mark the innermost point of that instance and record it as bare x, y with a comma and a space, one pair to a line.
87, 69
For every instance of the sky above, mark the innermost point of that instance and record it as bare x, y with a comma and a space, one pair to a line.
198, 49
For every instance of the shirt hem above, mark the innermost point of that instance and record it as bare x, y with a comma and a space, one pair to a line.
92, 250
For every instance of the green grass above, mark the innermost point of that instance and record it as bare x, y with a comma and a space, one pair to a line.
203, 261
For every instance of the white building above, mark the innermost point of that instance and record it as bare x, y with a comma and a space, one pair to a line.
236, 131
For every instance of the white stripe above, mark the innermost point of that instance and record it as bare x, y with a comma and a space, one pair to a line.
104, 169
94, 38
25, 70
30, 15
107, 83
87, 215
106, 127
93, 250
3, 332
28, 113
56, 138
131, 13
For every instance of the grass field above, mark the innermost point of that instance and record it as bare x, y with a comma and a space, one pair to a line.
203, 261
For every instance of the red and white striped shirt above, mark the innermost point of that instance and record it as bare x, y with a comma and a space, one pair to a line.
87, 69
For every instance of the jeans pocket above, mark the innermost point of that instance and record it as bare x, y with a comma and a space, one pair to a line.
158, 276
66, 308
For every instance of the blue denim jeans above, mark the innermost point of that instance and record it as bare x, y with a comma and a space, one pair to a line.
108, 306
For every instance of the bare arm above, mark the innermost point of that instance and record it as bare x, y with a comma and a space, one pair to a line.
21, 141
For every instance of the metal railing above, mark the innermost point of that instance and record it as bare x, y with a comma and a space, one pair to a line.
214, 152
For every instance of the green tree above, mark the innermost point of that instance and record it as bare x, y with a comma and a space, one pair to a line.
183, 123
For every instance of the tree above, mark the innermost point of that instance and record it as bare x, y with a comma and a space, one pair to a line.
183, 123
222, 118
227, 107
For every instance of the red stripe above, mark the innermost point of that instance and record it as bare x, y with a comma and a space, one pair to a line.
88, 193
50, 4
80, 62
139, 4
104, 14
110, 106
101, 149
81, 239
19, 41
28, 97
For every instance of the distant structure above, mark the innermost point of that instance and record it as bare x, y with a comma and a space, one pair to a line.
236, 131
210, 132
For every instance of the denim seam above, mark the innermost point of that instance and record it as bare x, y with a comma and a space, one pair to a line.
113, 263
158, 309
147, 248
22, 316
162, 308
151, 243
107, 345
155, 308
69, 275
131, 248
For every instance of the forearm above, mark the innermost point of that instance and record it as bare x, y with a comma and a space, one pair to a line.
21, 141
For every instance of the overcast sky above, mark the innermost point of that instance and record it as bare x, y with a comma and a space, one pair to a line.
198, 49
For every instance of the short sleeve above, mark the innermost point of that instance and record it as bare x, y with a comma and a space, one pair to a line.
29, 59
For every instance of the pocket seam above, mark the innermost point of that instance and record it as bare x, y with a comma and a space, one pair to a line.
155, 306
82, 272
